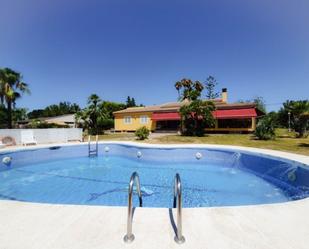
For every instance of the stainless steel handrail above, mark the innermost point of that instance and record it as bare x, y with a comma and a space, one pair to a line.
129, 237
179, 238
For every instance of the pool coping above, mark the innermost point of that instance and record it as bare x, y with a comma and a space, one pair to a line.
35, 225
265, 152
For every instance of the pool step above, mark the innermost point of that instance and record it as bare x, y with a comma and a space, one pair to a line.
93, 152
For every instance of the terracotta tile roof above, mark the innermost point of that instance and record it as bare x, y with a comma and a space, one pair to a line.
175, 106
139, 109
235, 106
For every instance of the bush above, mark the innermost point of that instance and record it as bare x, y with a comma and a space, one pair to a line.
36, 124
105, 124
265, 129
142, 133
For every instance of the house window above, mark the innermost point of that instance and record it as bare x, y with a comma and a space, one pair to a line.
235, 123
143, 119
128, 120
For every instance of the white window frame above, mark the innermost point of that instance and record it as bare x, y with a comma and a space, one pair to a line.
127, 120
143, 119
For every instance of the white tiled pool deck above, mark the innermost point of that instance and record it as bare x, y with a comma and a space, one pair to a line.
44, 226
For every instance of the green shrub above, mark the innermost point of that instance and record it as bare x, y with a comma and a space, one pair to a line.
142, 133
265, 129
105, 124
36, 124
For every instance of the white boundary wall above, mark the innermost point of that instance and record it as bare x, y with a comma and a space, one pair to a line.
43, 136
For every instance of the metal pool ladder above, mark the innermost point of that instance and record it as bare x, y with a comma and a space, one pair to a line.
93, 152
129, 237
179, 238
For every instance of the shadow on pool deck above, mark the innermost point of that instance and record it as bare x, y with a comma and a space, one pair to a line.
170, 212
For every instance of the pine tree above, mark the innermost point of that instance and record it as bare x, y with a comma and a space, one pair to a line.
128, 101
210, 86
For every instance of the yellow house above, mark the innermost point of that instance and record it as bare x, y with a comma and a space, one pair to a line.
234, 117
131, 119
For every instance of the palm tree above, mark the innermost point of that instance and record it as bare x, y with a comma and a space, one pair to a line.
178, 86
299, 110
2, 86
92, 115
191, 90
11, 88
198, 86
93, 99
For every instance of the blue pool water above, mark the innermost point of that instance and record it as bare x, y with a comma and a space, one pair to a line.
67, 175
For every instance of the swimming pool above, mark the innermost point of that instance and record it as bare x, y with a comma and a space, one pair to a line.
210, 177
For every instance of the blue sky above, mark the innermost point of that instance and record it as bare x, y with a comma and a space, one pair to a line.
68, 49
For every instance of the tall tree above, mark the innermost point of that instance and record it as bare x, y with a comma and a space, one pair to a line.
11, 88
130, 102
93, 116
189, 90
133, 102
109, 107
258, 101
295, 113
260, 104
210, 87
55, 110
18, 114
3, 117
196, 114
283, 115
299, 109
178, 86
94, 111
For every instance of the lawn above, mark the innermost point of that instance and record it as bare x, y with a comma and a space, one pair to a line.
115, 137
284, 141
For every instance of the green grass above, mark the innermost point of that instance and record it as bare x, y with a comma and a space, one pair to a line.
284, 141
114, 137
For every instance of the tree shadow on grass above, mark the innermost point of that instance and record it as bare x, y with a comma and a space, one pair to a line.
192, 136
305, 145
252, 137
286, 136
